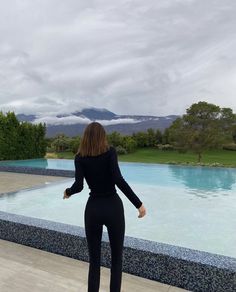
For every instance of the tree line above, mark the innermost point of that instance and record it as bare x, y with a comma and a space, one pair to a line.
204, 126
124, 143
21, 140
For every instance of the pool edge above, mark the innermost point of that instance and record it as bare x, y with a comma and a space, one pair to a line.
176, 266
37, 170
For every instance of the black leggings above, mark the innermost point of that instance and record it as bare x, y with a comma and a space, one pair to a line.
110, 212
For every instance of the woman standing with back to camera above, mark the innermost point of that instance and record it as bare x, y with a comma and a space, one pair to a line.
97, 162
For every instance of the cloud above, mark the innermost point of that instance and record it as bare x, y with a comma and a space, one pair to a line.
118, 121
143, 57
70, 120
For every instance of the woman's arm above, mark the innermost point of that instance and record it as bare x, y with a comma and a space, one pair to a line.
78, 185
120, 181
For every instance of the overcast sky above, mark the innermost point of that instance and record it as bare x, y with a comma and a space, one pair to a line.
130, 57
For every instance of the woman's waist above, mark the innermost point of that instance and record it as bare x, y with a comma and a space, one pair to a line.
102, 193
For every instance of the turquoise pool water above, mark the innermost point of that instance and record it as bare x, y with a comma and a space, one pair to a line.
194, 207
67, 164
196, 179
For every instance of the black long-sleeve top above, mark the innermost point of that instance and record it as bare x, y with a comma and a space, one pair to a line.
101, 173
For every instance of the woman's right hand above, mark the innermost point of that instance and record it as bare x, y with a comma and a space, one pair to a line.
65, 195
142, 211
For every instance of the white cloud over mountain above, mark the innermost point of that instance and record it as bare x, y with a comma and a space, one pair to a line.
70, 120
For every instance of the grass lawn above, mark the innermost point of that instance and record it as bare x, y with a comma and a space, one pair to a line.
159, 156
151, 155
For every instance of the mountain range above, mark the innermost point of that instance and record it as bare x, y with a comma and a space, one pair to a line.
74, 123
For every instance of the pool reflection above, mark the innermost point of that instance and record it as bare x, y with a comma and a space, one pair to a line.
204, 181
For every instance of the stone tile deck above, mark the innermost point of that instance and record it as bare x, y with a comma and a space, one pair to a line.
26, 269
10, 182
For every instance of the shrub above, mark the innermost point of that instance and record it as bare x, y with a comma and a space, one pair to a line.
74, 144
231, 147
120, 150
50, 149
129, 144
165, 147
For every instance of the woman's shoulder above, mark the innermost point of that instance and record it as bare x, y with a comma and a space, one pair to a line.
110, 149
77, 157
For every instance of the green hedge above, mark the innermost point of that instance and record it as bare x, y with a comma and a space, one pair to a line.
21, 140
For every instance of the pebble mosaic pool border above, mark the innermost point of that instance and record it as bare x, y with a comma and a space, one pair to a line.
177, 266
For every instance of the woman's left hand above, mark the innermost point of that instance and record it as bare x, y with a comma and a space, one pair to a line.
65, 195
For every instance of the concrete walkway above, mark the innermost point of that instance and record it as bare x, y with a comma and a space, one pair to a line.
11, 182
26, 269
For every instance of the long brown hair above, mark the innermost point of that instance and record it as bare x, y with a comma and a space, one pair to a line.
94, 140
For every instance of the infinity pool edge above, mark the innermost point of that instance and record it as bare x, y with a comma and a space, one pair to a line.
176, 266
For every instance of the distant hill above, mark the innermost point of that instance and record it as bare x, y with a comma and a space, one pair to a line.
73, 124
26, 118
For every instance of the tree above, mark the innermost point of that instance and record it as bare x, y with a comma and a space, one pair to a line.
158, 136
204, 126
2, 134
151, 137
129, 144
141, 138
61, 143
234, 133
11, 135
75, 143
115, 139
165, 136
41, 142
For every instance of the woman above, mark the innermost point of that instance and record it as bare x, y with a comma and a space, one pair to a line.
97, 162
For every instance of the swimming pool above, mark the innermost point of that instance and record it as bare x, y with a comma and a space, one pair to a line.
66, 164
192, 207
198, 180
